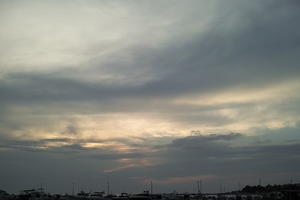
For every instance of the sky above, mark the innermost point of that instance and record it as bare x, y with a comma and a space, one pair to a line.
137, 91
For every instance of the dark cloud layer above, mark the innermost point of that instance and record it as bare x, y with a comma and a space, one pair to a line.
220, 156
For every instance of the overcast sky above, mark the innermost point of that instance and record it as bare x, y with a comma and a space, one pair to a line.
136, 91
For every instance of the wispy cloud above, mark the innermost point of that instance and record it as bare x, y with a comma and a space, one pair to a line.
184, 179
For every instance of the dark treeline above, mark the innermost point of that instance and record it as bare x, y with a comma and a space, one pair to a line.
270, 188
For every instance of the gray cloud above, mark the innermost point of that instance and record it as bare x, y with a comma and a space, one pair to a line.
83, 60
257, 50
225, 157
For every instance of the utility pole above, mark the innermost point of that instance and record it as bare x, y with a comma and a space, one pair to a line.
107, 188
73, 189
201, 186
151, 188
198, 186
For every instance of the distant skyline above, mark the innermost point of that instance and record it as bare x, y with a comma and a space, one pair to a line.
137, 91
